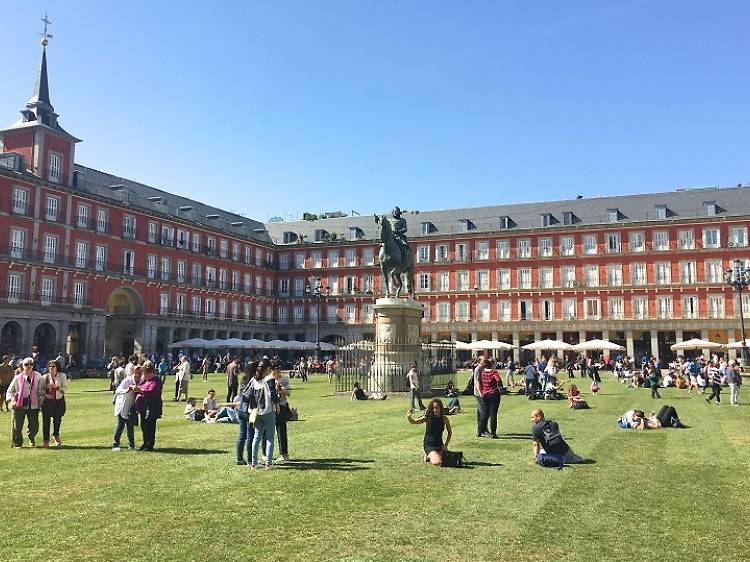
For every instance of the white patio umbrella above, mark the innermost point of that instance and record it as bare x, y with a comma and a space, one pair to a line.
462, 346
695, 344
276, 344
214, 344
234, 342
252, 343
325, 346
489, 344
361, 344
193, 342
294, 344
598, 345
552, 345
737, 345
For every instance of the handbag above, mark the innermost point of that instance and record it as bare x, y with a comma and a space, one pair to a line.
253, 415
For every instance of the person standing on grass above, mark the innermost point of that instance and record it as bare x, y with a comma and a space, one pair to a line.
6, 375
510, 366
148, 404
436, 422
163, 370
734, 380
55, 384
125, 410
25, 394
247, 432
182, 378
476, 374
489, 389
412, 378
119, 373
714, 379
233, 378
284, 389
653, 382
204, 367
330, 366
267, 403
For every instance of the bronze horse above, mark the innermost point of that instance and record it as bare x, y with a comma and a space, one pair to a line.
392, 262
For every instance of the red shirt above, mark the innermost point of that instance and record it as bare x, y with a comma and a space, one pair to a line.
489, 382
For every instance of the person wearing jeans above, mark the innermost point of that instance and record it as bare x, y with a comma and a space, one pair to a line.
148, 404
478, 396
125, 410
489, 388
25, 394
714, 378
55, 384
284, 389
413, 380
267, 403
734, 379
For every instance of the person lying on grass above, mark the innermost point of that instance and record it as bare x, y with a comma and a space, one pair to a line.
436, 423
636, 419
359, 394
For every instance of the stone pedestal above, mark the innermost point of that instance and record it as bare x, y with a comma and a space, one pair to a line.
397, 343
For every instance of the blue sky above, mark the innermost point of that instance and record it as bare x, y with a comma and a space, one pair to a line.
276, 108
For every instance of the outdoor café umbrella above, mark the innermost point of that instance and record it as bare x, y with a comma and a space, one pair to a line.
552, 345
462, 346
695, 344
598, 345
194, 342
489, 344
738, 345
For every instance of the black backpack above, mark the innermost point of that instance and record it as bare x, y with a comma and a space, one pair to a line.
454, 459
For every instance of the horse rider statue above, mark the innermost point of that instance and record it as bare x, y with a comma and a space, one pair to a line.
398, 226
395, 255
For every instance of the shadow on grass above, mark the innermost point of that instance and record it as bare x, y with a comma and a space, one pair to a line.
167, 450
472, 464
519, 436
98, 390
584, 461
335, 465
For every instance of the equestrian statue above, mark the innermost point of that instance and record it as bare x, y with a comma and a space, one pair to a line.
395, 255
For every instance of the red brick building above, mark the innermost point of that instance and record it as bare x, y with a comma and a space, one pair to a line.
96, 264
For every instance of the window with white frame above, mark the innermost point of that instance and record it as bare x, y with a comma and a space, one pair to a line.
259, 257
502, 249
423, 254
166, 269
426, 312
591, 309
462, 311
686, 239
284, 261
211, 246
102, 220
368, 256
196, 274
714, 271
368, 283
688, 273
709, 208
616, 306
269, 285
546, 310
17, 243
128, 226
299, 260
82, 253
441, 252
210, 276
525, 310
745, 305
84, 214
195, 305
567, 246
546, 277
638, 274
523, 248
462, 251
637, 242
444, 281
738, 236
568, 276
613, 215
660, 240
664, 307
210, 308
716, 306
614, 275
183, 237
483, 280
368, 313
269, 312
640, 308
235, 280
196, 243
317, 259
483, 311
180, 304
482, 250
443, 312
283, 313
663, 272
223, 249
258, 284
503, 279
47, 290
590, 244
350, 313
152, 230
545, 247
223, 309
333, 258
332, 312
50, 248
79, 293
167, 235
711, 238
52, 208
181, 271
163, 304
661, 212
503, 311
259, 312
351, 257
101, 258
55, 170
235, 251
690, 306
20, 198
524, 278
591, 275
15, 287
151, 266
614, 243
569, 309
462, 280
298, 313
284, 287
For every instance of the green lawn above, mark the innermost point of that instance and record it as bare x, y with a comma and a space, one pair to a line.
357, 488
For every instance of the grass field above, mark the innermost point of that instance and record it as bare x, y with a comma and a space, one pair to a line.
357, 488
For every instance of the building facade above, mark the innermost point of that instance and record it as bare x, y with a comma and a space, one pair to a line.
96, 264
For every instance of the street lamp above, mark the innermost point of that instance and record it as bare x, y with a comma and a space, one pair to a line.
317, 292
738, 277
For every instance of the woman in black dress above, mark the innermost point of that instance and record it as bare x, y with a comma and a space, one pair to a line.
436, 422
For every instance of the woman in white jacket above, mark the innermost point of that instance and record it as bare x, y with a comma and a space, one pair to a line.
267, 403
124, 409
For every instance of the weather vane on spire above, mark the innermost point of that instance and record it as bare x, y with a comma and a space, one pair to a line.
45, 36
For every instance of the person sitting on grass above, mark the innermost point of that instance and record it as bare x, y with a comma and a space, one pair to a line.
436, 422
192, 412
453, 404
575, 400
210, 407
359, 394
547, 438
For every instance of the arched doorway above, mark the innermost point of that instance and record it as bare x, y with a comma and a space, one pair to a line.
123, 328
45, 340
11, 339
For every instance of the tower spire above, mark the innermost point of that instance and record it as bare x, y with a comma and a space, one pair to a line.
40, 97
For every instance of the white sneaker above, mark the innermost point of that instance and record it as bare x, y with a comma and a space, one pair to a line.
115, 449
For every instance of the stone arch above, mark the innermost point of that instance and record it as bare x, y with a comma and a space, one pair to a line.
45, 340
11, 339
123, 327
125, 301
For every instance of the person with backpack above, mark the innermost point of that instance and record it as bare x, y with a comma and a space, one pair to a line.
436, 422
547, 438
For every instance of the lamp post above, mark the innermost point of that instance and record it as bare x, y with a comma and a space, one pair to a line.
738, 277
317, 292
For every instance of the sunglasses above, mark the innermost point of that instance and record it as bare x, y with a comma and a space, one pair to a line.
28, 364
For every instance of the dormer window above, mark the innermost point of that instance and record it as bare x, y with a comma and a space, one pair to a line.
569, 218
464, 225
428, 228
613, 215
355, 233
548, 219
662, 212
709, 208
321, 234
289, 237
505, 223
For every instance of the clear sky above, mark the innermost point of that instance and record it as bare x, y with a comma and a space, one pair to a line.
275, 108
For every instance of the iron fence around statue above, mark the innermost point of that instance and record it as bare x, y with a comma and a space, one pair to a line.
382, 367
